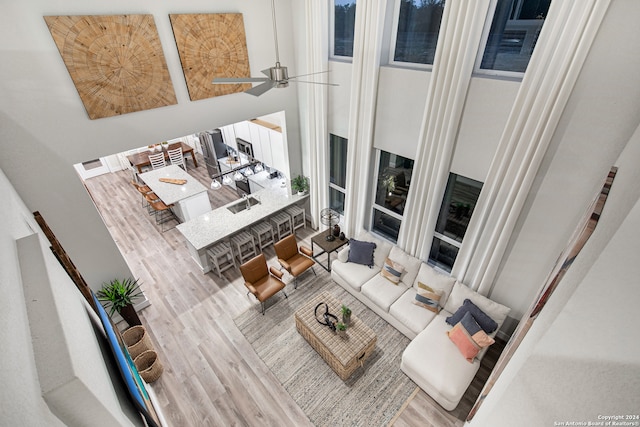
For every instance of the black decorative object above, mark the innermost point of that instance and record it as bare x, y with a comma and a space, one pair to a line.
328, 319
342, 236
336, 230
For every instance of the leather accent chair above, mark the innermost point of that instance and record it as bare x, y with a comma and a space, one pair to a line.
262, 282
295, 261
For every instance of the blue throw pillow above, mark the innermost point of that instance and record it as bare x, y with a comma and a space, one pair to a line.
486, 323
361, 252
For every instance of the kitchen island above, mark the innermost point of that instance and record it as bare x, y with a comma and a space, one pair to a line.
219, 224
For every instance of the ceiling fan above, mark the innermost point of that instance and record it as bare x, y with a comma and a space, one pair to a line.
277, 76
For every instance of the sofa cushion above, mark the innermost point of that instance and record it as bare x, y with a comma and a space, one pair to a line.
428, 298
436, 281
477, 333
382, 292
460, 292
392, 271
435, 364
412, 316
486, 323
411, 264
469, 337
382, 247
354, 275
361, 252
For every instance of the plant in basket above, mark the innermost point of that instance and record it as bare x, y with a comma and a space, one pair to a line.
119, 296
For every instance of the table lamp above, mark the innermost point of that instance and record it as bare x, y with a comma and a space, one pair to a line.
330, 218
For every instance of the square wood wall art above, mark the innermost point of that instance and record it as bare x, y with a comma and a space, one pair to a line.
115, 61
211, 45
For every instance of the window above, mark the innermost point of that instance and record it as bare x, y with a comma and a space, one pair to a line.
337, 172
393, 179
418, 25
459, 200
344, 18
513, 35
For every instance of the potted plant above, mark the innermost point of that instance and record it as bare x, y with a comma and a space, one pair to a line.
299, 184
119, 296
341, 329
346, 314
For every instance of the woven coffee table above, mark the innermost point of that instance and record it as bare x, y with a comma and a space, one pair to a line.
343, 355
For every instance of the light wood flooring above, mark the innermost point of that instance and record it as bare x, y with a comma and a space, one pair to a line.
212, 375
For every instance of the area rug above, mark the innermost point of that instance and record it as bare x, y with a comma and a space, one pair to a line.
370, 397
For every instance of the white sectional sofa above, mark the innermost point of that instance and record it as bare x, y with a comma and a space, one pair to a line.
431, 360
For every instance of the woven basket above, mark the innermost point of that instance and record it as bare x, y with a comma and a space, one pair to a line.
149, 366
137, 340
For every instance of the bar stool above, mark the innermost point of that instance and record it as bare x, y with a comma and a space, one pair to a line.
163, 212
281, 225
221, 257
244, 246
298, 218
263, 233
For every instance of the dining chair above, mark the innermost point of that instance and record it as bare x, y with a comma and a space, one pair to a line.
157, 160
177, 157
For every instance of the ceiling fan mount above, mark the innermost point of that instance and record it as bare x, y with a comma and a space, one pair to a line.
276, 76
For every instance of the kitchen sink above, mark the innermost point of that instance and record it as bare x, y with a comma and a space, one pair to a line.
243, 204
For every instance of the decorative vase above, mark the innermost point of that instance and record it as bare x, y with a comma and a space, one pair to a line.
342, 236
130, 316
346, 319
336, 230
341, 334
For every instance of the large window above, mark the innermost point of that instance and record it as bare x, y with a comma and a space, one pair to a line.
457, 207
344, 18
513, 35
393, 179
337, 172
418, 25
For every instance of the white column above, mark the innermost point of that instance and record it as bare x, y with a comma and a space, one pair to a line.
313, 98
367, 45
564, 42
460, 33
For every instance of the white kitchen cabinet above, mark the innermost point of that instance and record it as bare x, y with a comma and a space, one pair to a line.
265, 144
242, 130
229, 136
254, 131
280, 158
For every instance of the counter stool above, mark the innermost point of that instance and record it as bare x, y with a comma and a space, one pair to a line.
244, 246
162, 212
263, 234
221, 257
281, 225
298, 218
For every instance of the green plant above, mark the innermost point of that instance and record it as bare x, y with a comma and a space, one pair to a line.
119, 294
346, 311
299, 184
341, 326
389, 182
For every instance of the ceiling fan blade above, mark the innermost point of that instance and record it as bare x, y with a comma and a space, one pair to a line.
260, 89
310, 74
315, 83
227, 80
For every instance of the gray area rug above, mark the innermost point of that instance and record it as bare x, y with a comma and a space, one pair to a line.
370, 397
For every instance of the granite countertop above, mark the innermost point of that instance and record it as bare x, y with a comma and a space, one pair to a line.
262, 179
221, 223
172, 193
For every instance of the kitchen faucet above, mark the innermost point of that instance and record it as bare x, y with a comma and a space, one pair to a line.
245, 197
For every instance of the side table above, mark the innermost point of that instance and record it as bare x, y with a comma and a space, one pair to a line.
326, 247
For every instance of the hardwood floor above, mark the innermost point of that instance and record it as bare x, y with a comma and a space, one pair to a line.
212, 375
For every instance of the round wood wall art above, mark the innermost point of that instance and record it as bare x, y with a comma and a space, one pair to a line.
211, 45
116, 62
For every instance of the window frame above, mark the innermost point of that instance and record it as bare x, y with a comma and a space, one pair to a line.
332, 34
332, 185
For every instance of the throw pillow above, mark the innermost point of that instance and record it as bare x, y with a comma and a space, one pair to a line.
392, 271
477, 333
486, 323
361, 252
461, 338
428, 298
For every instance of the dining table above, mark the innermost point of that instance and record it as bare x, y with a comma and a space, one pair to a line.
141, 160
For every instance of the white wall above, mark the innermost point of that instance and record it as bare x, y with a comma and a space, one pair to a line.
44, 128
